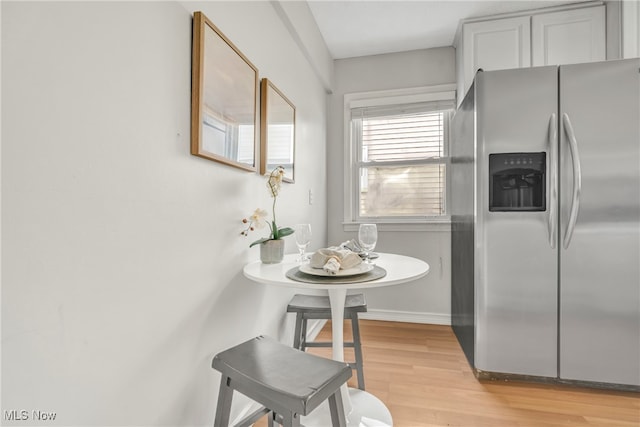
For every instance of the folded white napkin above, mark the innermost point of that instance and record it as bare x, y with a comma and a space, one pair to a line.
333, 259
332, 266
351, 245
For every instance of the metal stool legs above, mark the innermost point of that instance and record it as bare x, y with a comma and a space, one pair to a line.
357, 349
300, 339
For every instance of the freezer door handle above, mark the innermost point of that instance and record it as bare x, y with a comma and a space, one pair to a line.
553, 180
577, 180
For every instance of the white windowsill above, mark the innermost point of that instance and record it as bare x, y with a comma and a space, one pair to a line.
443, 224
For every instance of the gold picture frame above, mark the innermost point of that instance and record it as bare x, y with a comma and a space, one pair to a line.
224, 99
277, 131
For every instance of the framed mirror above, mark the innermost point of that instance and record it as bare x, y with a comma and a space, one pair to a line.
277, 131
224, 106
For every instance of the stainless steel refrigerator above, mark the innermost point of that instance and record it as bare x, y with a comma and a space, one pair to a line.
545, 204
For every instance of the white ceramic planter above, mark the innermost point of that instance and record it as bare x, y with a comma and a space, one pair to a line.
272, 251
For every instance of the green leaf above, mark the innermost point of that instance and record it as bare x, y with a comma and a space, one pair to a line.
264, 239
285, 231
277, 235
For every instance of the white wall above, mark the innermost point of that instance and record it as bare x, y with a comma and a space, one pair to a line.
121, 253
300, 22
427, 299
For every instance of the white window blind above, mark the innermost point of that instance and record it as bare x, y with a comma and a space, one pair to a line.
401, 159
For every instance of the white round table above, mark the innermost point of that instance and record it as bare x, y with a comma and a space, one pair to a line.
361, 408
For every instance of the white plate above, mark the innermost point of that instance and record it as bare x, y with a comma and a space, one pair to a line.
359, 269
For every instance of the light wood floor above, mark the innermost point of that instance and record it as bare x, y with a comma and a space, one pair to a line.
421, 374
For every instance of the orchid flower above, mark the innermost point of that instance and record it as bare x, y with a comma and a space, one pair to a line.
257, 219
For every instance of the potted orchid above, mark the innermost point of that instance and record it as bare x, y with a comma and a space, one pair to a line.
271, 246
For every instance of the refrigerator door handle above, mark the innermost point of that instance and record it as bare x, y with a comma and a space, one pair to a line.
577, 180
553, 180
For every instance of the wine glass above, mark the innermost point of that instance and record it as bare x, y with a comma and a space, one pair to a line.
368, 237
303, 238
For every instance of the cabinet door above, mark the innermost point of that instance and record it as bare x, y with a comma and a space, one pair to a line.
569, 37
496, 45
630, 29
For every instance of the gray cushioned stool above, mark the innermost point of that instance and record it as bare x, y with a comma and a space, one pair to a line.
318, 307
287, 382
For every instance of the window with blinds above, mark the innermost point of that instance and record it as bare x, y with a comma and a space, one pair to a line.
401, 159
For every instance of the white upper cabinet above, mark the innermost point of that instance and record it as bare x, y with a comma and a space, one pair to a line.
630, 29
496, 45
554, 36
569, 37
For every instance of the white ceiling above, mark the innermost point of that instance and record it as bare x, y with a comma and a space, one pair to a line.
362, 27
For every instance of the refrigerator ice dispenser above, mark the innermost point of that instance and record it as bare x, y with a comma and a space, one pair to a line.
517, 182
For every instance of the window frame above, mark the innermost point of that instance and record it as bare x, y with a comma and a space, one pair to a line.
352, 161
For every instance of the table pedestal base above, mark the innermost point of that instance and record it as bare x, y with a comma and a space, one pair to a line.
366, 411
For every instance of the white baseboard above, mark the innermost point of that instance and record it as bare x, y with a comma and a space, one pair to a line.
407, 316
314, 327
